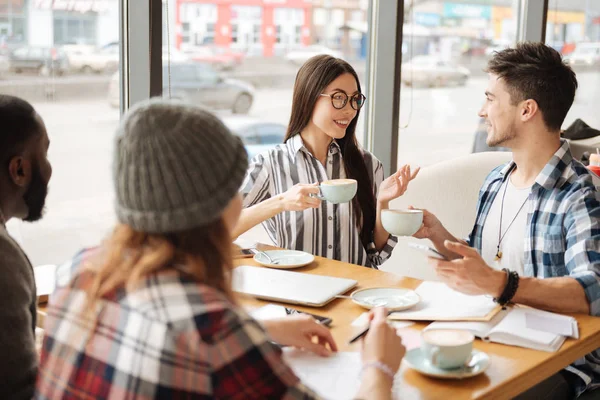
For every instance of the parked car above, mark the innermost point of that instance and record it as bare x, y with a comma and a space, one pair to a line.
43, 60
219, 58
258, 136
585, 54
10, 44
89, 59
199, 83
301, 55
432, 71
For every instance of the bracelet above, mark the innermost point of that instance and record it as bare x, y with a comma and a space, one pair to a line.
380, 366
512, 284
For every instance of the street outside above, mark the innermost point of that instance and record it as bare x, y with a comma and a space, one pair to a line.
437, 124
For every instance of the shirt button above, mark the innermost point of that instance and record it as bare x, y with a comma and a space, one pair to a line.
330, 246
330, 218
331, 162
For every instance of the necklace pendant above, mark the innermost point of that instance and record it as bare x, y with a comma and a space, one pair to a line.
498, 255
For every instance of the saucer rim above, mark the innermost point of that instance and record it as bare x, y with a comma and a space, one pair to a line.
448, 374
310, 258
400, 308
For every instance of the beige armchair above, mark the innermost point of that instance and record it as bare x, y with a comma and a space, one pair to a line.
448, 189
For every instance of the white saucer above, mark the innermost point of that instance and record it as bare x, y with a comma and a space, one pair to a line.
415, 359
394, 299
287, 259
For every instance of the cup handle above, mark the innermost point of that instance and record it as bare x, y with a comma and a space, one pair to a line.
318, 195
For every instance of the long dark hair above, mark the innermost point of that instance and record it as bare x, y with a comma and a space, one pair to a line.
312, 78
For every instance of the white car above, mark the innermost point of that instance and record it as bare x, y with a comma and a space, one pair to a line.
89, 59
432, 71
585, 54
301, 55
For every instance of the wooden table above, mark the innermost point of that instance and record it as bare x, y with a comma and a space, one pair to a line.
512, 369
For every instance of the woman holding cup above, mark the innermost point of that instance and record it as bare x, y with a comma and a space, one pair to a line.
299, 190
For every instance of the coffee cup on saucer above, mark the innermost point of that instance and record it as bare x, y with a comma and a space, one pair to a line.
402, 222
337, 190
447, 348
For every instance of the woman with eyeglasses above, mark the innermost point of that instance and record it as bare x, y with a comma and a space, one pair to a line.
281, 186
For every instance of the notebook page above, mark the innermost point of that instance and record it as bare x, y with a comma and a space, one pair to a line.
479, 329
334, 377
513, 330
439, 302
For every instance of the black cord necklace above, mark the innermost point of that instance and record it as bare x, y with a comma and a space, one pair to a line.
500, 234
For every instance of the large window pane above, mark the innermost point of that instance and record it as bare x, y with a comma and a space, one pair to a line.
246, 54
573, 28
446, 46
62, 58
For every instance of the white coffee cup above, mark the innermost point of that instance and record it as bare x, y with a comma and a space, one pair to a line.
447, 348
337, 190
402, 222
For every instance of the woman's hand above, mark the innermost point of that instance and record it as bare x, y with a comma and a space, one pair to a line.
382, 343
299, 331
395, 185
298, 197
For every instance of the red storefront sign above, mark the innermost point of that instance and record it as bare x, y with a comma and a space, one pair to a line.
223, 31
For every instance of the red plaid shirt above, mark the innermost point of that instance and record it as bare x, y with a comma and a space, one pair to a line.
170, 337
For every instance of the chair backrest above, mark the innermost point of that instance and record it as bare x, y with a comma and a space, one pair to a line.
448, 189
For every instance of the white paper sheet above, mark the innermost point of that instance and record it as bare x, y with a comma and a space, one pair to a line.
438, 301
335, 377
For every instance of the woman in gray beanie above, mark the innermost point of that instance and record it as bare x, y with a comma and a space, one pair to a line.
150, 313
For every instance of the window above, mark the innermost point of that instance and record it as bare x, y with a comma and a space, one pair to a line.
574, 30
446, 45
75, 28
234, 33
261, 48
81, 116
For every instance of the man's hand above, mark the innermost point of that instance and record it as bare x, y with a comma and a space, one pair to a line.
469, 274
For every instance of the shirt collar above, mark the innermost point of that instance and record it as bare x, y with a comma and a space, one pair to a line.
295, 144
552, 171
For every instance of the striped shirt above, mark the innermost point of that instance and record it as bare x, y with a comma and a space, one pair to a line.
328, 231
562, 235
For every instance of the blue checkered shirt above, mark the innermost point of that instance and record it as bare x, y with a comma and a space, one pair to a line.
562, 235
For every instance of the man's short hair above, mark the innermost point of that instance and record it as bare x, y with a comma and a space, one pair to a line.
18, 124
532, 70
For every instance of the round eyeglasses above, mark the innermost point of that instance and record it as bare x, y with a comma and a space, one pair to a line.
339, 100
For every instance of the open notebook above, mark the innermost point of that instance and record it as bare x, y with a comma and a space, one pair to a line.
521, 326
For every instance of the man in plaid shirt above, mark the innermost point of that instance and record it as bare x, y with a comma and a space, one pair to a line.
539, 216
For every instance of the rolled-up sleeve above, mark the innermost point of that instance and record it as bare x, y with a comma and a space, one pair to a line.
582, 256
377, 257
255, 187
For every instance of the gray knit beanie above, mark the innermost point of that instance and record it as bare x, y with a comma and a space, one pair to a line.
176, 167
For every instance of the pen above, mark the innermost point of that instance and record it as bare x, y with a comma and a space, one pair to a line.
360, 334
363, 332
